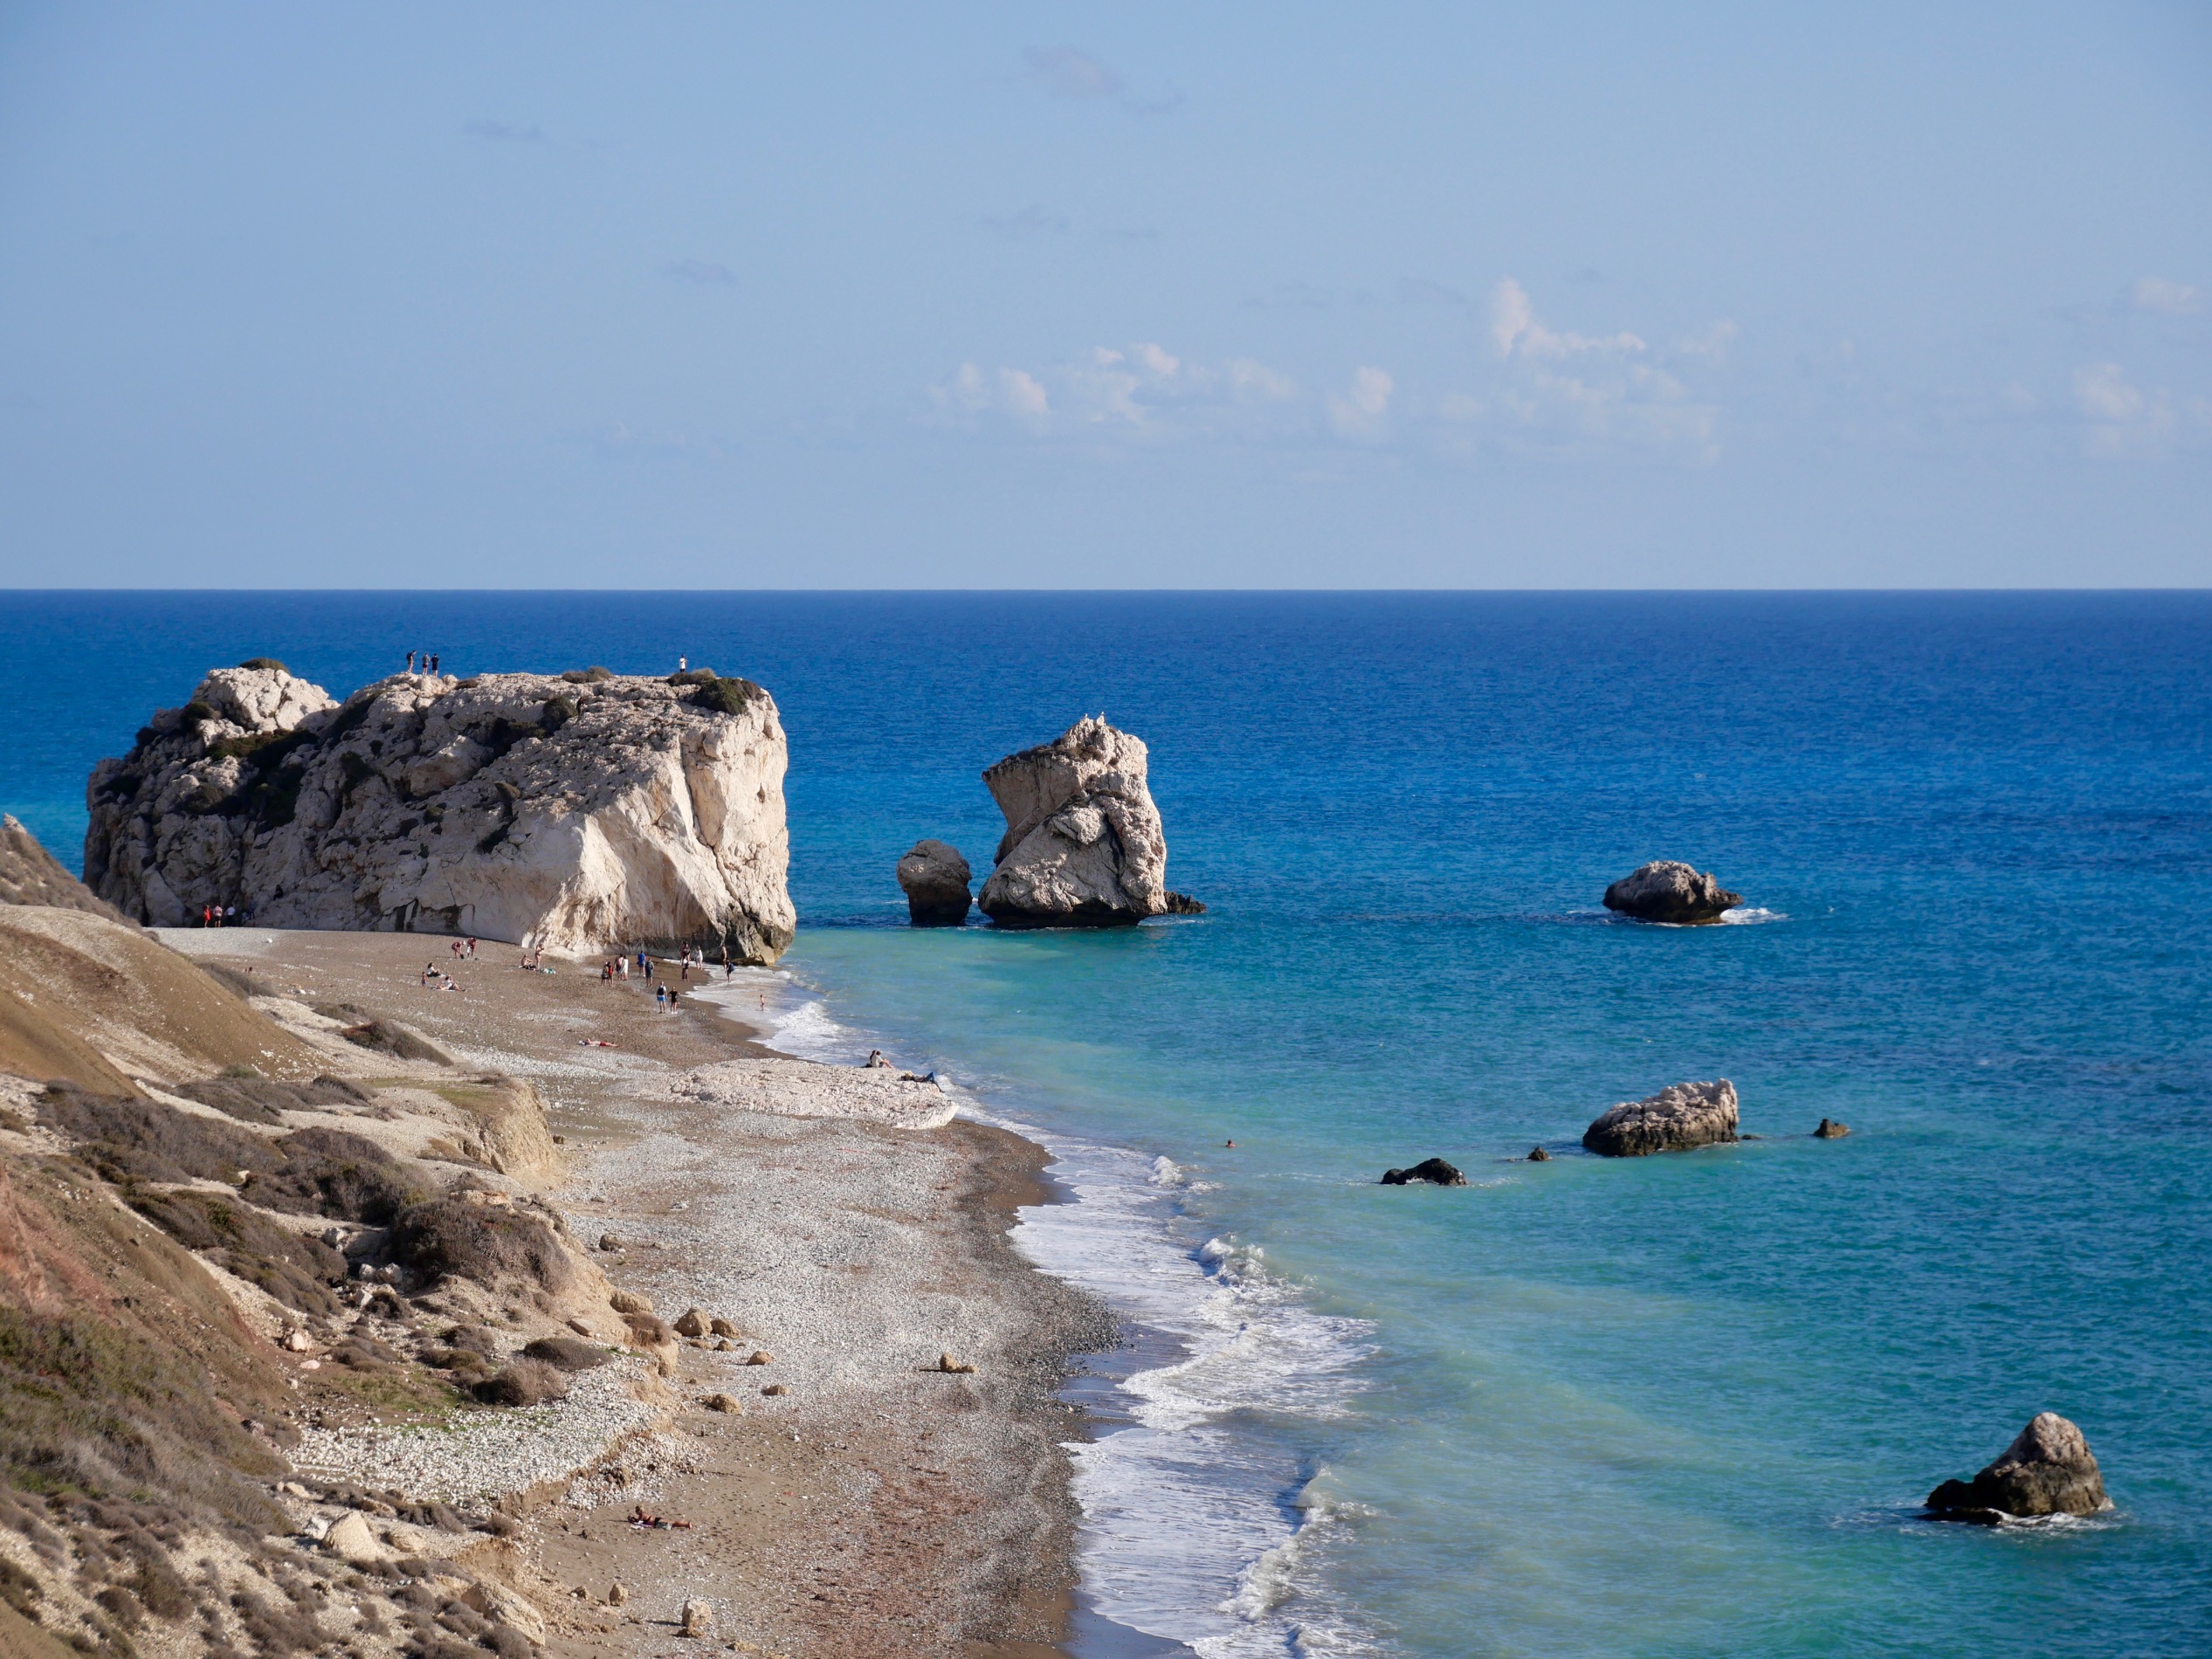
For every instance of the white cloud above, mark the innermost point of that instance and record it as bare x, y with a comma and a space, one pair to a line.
2126, 422
2102, 393
1360, 411
2167, 298
1143, 390
1031, 222
1515, 332
706, 273
1069, 71
1554, 391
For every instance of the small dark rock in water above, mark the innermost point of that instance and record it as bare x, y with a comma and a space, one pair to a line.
1671, 892
1433, 1170
1540, 1156
1680, 1117
1184, 905
1831, 1130
2048, 1471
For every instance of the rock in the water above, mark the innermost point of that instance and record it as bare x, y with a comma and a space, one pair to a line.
1831, 1130
31, 875
935, 878
1538, 1155
520, 807
2048, 1471
1184, 905
1083, 846
1680, 1117
1433, 1170
1668, 892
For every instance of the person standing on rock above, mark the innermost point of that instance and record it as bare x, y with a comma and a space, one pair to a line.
411, 662
433, 665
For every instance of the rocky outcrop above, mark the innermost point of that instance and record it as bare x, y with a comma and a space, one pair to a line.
1083, 846
31, 875
1434, 1171
935, 878
1668, 892
1680, 1117
577, 814
1831, 1130
2048, 1470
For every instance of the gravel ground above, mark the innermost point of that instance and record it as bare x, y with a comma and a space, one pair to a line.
482, 1457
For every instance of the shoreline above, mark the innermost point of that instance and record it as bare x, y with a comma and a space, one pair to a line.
879, 1506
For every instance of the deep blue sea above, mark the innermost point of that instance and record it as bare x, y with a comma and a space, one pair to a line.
1682, 1405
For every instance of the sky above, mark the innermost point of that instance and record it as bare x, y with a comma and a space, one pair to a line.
1229, 295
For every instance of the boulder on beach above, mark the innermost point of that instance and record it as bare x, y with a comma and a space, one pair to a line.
1831, 1130
1083, 846
935, 878
1666, 891
2048, 1470
1680, 1117
575, 815
1435, 1171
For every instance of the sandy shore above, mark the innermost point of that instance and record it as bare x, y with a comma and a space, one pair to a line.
878, 1504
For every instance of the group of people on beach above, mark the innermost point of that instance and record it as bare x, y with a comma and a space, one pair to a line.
438, 978
218, 916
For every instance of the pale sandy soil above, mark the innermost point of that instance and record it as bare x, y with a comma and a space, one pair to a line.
881, 1507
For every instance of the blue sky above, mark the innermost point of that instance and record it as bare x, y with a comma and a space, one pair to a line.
1231, 295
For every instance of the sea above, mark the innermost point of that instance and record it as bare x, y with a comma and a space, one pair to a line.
1686, 1404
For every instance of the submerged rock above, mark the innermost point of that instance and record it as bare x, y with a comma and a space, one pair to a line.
935, 878
1831, 1130
1432, 1170
1680, 1116
617, 812
2048, 1470
1083, 846
1538, 1155
1668, 892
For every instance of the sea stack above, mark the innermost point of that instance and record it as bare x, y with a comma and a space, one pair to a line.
935, 878
1083, 846
1678, 1117
2048, 1469
1666, 891
579, 812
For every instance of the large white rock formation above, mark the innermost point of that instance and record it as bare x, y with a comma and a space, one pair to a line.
581, 813
1083, 846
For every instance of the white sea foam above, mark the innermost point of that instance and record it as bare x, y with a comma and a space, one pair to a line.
1187, 1529
1197, 1520
1750, 915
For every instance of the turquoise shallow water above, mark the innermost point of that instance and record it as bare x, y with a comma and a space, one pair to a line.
1683, 1405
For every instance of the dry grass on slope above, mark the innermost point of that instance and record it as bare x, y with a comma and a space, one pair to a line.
91, 1001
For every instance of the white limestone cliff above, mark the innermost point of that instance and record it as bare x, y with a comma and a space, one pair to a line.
579, 813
